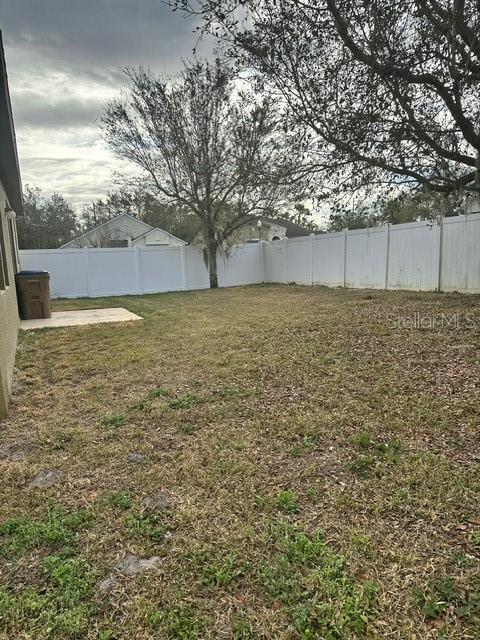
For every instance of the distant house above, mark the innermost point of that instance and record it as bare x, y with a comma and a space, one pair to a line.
270, 229
124, 231
10, 205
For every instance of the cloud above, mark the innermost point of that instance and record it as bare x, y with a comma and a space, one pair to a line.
65, 61
65, 113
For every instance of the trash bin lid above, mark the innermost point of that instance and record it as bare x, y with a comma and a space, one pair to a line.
28, 274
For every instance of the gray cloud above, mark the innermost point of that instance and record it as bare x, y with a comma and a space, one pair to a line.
65, 112
65, 62
99, 33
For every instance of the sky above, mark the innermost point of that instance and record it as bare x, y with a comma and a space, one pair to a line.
64, 62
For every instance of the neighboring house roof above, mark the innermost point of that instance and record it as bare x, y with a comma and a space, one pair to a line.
148, 228
9, 171
293, 230
158, 229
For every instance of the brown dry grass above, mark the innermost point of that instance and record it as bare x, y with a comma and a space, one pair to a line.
281, 409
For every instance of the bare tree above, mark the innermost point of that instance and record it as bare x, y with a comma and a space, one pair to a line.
204, 143
389, 89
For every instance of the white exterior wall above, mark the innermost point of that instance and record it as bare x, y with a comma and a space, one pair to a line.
123, 227
421, 256
157, 237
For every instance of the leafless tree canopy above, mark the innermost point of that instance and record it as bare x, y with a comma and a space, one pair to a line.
204, 143
389, 88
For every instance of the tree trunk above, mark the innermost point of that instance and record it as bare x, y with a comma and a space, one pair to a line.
212, 261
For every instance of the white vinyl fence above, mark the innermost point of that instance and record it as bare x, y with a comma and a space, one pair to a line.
422, 256
76, 273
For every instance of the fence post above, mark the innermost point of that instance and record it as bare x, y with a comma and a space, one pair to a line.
345, 234
312, 238
286, 261
440, 252
138, 265
87, 271
261, 248
184, 267
387, 256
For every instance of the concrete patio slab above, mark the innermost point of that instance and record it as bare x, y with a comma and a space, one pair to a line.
84, 316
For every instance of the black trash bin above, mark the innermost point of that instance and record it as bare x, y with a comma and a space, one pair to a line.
33, 290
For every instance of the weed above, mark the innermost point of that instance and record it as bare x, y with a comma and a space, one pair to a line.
158, 392
149, 526
226, 391
287, 501
306, 444
188, 429
362, 544
114, 420
57, 529
221, 572
186, 401
59, 608
363, 466
61, 439
362, 440
388, 448
442, 594
142, 405
179, 621
121, 499
305, 567
242, 628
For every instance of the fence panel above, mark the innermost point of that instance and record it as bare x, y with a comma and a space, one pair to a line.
112, 272
243, 265
328, 259
413, 261
275, 261
161, 269
366, 258
196, 270
68, 270
299, 260
460, 268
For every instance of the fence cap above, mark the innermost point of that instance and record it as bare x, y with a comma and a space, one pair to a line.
37, 273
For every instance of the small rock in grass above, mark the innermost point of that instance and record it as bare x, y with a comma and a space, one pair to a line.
130, 566
47, 478
156, 502
83, 483
136, 457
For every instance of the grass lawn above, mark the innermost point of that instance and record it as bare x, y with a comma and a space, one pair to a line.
292, 465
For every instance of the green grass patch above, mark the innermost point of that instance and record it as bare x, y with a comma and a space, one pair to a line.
180, 620
141, 405
443, 594
221, 572
146, 526
120, 499
114, 420
61, 607
313, 585
185, 401
287, 501
57, 529
158, 392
